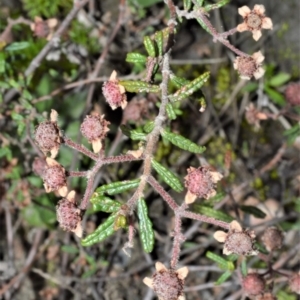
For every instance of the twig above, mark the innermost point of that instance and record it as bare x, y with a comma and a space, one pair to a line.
16, 281
104, 53
58, 281
35, 63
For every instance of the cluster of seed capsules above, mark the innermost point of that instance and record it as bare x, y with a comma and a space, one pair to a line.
48, 137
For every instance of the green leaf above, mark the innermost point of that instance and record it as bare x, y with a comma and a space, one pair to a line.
16, 46
210, 7
168, 177
178, 81
159, 39
170, 111
133, 134
279, 79
136, 58
147, 3
199, 2
105, 230
105, 204
182, 142
190, 88
138, 86
253, 210
148, 127
211, 212
118, 187
6, 151
187, 4
222, 262
285, 295
292, 133
244, 268
2, 62
149, 45
250, 87
69, 249
203, 25
145, 224
275, 96
223, 277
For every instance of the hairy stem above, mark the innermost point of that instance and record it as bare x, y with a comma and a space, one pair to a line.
205, 219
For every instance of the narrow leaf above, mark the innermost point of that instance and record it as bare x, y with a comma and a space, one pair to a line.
211, 212
244, 269
118, 187
105, 230
189, 88
222, 263
170, 111
210, 7
199, 2
178, 81
105, 204
138, 86
276, 97
133, 134
168, 177
187, 4
203, 25
159, 39
253, 210
149, 45
223, 277
148, 127
182, 142
134, 57
145, 224
279, 79
17, 46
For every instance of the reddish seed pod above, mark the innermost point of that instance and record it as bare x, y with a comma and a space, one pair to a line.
200, 183
47, 135
272, 238
54, 177
294, 283
114, 93
249, 67
38, 166
69, 215
168, 284
253, 284
94, 128
237, 240
292, 94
